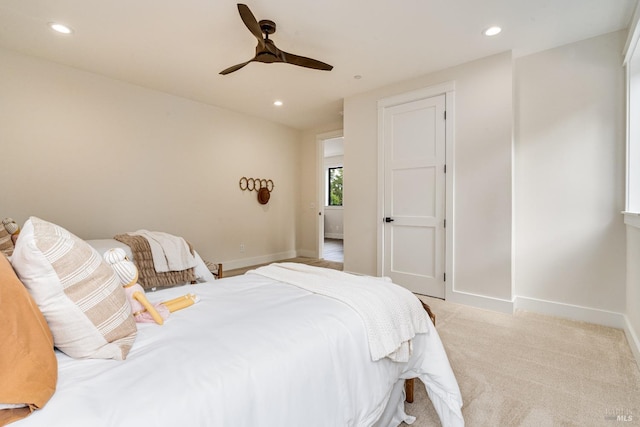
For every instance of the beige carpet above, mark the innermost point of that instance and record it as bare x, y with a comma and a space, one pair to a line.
534, 370
528, 369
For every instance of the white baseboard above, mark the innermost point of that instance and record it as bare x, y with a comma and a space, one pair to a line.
307, 253
264, 259
571, 311
552, 308
480, 301
633, 339
584, 314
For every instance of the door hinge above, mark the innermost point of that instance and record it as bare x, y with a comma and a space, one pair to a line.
445, 114
444, 276
445, 223
445, 168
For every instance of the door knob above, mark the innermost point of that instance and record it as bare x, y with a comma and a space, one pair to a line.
388, 219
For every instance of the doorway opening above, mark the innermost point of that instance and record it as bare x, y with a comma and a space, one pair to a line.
330, 196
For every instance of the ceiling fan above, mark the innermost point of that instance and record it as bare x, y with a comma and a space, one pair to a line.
266, 50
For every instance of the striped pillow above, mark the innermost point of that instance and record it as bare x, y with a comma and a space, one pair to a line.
6, 245
78, 293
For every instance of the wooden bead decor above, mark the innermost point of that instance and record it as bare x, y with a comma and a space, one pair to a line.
262, 186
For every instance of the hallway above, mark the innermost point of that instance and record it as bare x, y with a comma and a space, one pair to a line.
333, 250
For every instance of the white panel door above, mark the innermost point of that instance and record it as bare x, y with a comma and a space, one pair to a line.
414, 195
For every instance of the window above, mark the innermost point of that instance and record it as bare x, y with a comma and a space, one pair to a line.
632, 68
334, 189
632, 63
633, 142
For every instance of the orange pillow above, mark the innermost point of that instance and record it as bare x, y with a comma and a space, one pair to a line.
28, 365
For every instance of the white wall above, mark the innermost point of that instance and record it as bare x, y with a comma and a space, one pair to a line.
333, 222
483, 167
100, 157
569, 178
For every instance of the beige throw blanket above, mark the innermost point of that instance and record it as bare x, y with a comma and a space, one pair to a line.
169, 252
149, 278
391, 314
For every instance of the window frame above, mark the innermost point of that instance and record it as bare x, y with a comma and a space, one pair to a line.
632, 81
328, 186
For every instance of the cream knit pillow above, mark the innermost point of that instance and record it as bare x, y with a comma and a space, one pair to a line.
77, 292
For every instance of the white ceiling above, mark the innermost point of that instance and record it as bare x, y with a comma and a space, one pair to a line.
179, 47
334, 147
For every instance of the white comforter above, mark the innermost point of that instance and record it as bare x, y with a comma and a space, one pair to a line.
252, 352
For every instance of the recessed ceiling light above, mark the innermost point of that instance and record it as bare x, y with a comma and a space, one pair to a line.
277, 103
60, 28
492, 31
357, 77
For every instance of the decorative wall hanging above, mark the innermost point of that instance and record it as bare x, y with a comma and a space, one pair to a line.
262, 186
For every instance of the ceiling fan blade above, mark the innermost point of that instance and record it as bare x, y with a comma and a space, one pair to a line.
250, 21
302, 61
266, 50
235, 67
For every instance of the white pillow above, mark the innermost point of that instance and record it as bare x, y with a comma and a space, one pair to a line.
103, 245
203, 274
78, 293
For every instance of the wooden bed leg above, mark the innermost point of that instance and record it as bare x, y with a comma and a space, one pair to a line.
215, 269
408, 389
408, 383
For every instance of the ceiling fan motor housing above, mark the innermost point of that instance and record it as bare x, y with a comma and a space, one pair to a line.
267, 26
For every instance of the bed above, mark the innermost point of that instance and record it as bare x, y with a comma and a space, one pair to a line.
254, 351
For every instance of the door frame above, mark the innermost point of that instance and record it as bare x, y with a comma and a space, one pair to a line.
447, 89
320, 178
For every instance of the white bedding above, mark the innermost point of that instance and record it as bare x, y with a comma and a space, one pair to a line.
391, 314
252, 352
